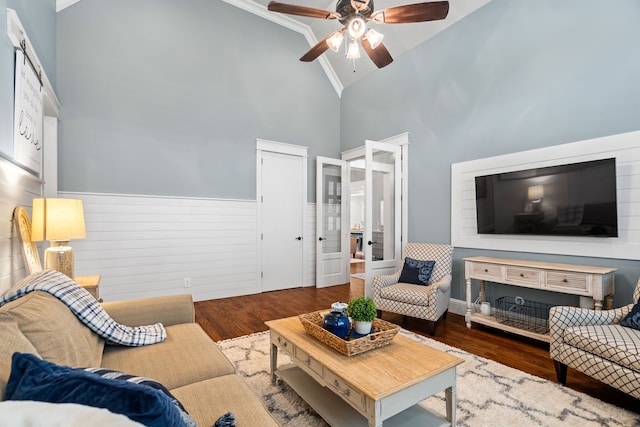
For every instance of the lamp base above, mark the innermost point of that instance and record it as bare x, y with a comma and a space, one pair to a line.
59, 257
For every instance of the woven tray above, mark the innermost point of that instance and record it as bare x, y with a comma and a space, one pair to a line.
383, 333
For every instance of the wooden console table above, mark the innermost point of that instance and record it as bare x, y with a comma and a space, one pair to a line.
594, 282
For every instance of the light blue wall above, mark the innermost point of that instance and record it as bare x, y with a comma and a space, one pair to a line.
515, 75
39, 19
162, 97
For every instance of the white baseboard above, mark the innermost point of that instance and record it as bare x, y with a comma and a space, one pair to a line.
457, 306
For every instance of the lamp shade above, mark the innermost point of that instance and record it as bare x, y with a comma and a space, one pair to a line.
57, 220
535, 192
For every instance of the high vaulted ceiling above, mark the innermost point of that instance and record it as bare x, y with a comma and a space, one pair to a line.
398, 38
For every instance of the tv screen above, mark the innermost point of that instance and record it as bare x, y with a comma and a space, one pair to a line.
577, 199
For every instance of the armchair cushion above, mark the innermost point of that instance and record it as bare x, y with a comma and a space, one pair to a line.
407, 293
611, 342
632, 320
416, 272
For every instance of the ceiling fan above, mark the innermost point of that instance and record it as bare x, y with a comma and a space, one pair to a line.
354, 15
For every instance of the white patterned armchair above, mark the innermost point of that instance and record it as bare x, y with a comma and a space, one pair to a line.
594, 342
423, 302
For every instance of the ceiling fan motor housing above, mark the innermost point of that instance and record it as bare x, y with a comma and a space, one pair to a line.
347, 10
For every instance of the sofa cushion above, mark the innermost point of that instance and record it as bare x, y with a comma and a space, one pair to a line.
35, 379
11, 340
55, 332
616, 343
416, 271
187, 355
208, 400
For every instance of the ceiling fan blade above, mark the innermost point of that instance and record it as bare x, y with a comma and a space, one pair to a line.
320, 48
311, 12
380, 55
419, 12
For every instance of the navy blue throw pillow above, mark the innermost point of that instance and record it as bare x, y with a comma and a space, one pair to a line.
632, 320
35, 379
416, 271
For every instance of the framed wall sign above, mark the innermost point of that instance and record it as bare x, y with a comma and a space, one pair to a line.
28, 116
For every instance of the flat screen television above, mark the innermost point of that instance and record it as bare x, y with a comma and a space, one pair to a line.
577, 199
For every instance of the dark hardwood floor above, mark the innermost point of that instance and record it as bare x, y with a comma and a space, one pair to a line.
233, 317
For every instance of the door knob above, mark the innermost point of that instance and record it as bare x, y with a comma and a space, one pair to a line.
370, 243
321, 238
299, 238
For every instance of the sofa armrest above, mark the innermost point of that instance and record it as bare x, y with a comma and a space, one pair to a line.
169, 310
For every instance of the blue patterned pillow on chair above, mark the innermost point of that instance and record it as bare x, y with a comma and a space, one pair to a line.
417, 272
632, 320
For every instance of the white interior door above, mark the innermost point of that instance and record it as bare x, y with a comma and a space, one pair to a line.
282, 199
383, 210
332, 215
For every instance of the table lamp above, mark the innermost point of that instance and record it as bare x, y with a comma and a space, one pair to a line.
58, 220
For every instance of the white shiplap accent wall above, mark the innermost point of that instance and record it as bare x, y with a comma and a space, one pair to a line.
17, 188
146, 246
624, 147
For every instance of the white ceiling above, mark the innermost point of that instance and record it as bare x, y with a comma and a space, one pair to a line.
398, 39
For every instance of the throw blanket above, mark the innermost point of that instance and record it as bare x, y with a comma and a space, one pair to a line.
86, 309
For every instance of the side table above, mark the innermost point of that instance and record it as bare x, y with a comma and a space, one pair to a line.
91, 284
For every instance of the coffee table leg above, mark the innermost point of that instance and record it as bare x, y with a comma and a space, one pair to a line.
450, 396
274, 362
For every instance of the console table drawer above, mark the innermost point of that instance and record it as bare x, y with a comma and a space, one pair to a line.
309, 361
282, 343
568, 281
524, 276
344, 390
489, 271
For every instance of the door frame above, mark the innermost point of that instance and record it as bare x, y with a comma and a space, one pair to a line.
263, 145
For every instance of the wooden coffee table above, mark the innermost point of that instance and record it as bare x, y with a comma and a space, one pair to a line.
380, 384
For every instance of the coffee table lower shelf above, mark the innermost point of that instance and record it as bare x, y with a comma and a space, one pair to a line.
337, 412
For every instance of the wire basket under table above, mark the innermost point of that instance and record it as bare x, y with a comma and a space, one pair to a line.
522, 314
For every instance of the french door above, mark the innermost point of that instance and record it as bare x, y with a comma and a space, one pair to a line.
332, 215
383, 217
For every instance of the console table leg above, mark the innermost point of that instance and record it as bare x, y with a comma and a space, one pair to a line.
468, 313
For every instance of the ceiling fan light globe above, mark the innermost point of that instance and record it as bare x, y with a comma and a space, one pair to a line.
335, 41
353, 52
374, 37
357, 27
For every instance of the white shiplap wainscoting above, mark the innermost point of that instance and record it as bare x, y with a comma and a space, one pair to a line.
17, 188
146, 246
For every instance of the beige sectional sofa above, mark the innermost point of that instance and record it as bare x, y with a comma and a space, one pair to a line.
188, 362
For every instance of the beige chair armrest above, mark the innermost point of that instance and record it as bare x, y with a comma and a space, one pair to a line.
170, 310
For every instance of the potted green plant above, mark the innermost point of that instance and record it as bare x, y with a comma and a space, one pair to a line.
362, 311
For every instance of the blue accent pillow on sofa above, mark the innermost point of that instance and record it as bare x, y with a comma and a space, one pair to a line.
417, 272
632, 320
35, 379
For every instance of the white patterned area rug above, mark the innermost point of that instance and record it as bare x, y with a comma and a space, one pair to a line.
489, 393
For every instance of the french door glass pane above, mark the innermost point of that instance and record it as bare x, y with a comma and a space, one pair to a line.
383, 212
331, 202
